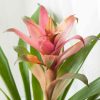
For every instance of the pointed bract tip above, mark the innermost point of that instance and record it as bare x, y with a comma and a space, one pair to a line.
10, 30
75, 17
71, 18
25, 18
42, 7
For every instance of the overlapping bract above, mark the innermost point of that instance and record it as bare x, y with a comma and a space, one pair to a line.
46, 37
49, 39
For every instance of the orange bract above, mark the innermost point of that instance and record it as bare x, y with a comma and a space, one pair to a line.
32, 59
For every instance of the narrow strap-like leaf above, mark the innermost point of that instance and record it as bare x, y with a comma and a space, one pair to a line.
64, 81
61, 97
86, 92
94, 97
81, 77
75, 62
23, 67
5, 94
37, 90
7, 77
25, 77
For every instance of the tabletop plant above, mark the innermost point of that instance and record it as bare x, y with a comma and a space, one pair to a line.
53, 68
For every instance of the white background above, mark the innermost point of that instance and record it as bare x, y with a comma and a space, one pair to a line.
88, 12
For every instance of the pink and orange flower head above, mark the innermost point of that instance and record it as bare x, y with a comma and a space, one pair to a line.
49, 38
46, 37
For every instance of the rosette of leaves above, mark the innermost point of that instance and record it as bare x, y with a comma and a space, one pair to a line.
53, 69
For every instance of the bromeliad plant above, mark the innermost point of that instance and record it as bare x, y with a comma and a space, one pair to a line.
53, 68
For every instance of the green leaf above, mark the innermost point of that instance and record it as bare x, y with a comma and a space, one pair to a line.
86, 92
21, 50
25, 77
37, 90
75, 62
7, 77
94, 97
64, 94
81, 77
36, 53
64, 81
23, 66
35, 16
5, 94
